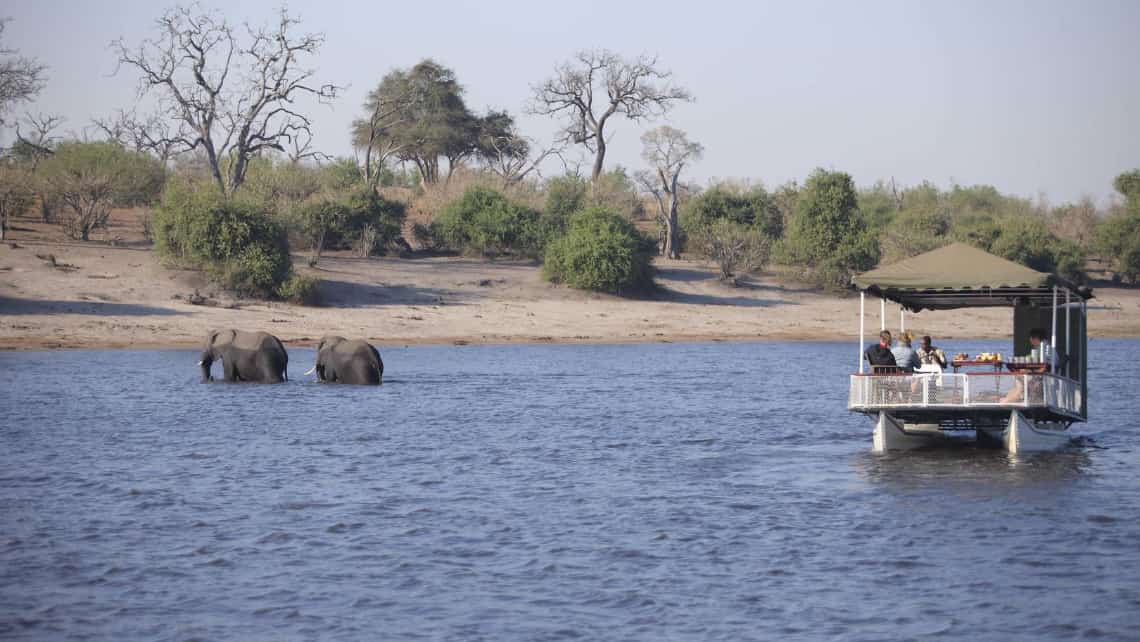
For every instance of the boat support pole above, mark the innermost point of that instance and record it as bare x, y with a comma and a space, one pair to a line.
862, 316
902, 320
1068, 334
1053, 359
882, 314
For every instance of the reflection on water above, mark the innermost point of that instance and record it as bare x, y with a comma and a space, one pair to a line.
966, 464
542, 492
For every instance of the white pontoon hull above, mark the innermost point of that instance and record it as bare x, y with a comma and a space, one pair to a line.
1020, 435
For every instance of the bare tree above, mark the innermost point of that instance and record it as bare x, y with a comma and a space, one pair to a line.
37, 139
301, 149
35, 142
150, 134
667, 150
1076, 221
232, 99
506, 152
372, 135
590, 89
736, 248
16, 197
20, 78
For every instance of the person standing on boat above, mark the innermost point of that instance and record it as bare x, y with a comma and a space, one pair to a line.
880, 354
930, 355
1040, 349
903, 353
1041, 352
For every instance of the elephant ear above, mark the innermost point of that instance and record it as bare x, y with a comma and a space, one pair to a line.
211, 337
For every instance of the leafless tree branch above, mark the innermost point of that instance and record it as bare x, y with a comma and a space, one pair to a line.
667, 150
590, 89
21, 78
231, 96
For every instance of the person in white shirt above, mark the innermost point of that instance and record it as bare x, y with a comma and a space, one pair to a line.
1041, 350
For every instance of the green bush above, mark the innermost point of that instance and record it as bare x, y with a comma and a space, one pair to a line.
828, 233
300, 289
753, 207
1118, 237
16, 197
485, 222
1028, 240
564, 196
359, 219
86, 180
316, 219
601, 251
914, 231
429, 237
826, 218
235, 240
735, 247
375, 223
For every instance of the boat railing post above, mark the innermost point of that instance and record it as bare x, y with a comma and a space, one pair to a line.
965, 390
1053, 357
1025, 390
862, 318
1068, 331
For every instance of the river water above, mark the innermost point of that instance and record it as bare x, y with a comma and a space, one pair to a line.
661, 491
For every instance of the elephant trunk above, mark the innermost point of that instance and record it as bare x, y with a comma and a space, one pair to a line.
205, 362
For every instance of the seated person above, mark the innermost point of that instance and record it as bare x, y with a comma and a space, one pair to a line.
880, 353
903, 353
929, 355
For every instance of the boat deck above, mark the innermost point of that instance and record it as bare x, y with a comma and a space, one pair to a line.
967, 399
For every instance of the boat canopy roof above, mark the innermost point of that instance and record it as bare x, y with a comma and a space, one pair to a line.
962, 276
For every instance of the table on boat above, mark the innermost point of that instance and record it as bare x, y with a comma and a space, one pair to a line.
1028, 367
968, 363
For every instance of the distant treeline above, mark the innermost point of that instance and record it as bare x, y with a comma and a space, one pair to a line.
226, 163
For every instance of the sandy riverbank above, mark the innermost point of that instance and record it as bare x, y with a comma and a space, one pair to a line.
98, 296
114, 293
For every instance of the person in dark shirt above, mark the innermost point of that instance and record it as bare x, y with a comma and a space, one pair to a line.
880, 354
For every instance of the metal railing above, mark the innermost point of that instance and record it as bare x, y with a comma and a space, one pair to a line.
963, 391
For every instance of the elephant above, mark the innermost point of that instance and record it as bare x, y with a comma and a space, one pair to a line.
246, 356
343, 360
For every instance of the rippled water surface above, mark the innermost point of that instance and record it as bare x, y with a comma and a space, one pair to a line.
703, 491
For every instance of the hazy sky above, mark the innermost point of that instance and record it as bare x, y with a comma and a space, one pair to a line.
1032, 97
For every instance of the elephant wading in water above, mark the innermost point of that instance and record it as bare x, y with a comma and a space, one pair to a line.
246, 356
342, 360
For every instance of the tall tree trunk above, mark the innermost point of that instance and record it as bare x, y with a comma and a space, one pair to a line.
672, 244
599, 158
319, 248
215, 169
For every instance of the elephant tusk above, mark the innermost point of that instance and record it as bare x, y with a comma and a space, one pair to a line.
311, 370
199, 363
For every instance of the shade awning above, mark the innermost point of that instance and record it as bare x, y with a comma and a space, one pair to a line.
958, 276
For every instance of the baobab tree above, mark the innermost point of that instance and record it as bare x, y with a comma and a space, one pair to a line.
667, 150
597, 85
233, 96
